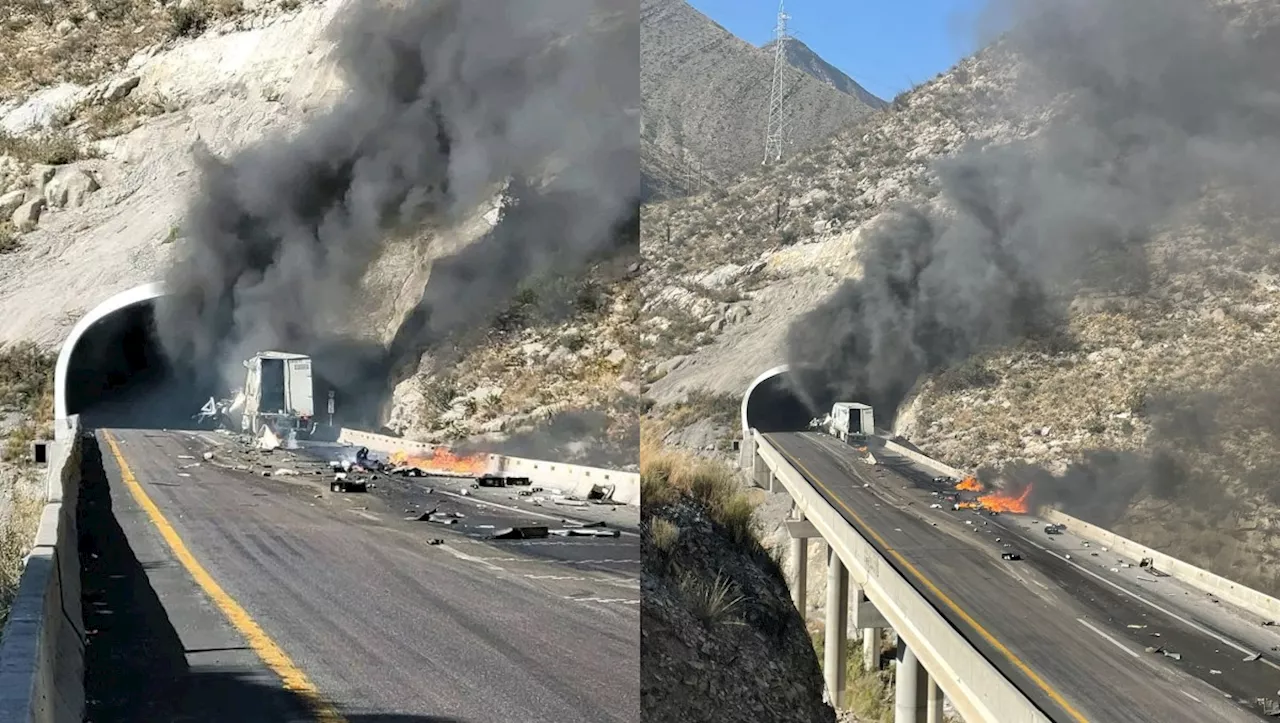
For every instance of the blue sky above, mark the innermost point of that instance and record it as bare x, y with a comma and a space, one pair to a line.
885, 45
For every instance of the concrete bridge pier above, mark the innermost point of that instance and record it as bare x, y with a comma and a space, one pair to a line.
836, 646
800, 531
911, 688
871, 649
869, 620
761, 474
933, 696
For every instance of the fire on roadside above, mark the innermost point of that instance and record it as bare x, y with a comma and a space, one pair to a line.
992, 501
442, 460
997, 502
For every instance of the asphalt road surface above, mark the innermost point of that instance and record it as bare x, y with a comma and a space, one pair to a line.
213, 594
1079, 632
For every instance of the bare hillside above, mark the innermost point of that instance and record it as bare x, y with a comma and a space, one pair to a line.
97, 175
803, 58
706, 94
1080, 294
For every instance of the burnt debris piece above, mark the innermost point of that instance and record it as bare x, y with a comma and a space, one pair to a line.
529, 532
497, 480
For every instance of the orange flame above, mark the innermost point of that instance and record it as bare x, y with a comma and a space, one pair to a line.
969, 484
997, 502
444, 461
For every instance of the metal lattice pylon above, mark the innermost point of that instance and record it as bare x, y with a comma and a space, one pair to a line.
775, 127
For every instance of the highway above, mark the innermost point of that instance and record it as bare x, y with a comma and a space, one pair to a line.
215, 594
1078, 633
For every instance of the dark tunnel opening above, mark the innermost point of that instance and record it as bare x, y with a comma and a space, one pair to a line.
774, 406
118, 376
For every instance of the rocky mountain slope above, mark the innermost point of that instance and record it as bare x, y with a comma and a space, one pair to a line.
96, 172
1146, 405
706, 95
802, 57
720, 639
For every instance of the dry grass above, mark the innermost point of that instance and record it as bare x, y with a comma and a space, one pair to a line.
54, 147
663, 534
120, 116
26, 386
711, 601
666, 475
8, 239
45, 42
699, 405
16, 534
868, 693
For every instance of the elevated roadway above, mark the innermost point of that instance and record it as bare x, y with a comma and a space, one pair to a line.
205, 588
1082, 635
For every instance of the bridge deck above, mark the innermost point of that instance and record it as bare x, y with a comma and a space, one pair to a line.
1068, 632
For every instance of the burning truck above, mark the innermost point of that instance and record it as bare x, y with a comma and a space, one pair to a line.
278, 396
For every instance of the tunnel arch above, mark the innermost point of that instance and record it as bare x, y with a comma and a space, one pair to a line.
772, 403
746, 396
121, 302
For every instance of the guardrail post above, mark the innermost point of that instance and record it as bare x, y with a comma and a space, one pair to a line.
909, 694
933, 698
837, 645
800, 566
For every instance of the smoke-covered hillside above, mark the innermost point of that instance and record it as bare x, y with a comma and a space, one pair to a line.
1057, 260
437, 200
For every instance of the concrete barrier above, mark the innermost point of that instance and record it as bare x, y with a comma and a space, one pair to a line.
1233, 592
42, 651
979, 692
1239, 595
573, 479
928, 463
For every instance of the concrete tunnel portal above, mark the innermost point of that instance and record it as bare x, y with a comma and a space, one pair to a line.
112, 372
771, 404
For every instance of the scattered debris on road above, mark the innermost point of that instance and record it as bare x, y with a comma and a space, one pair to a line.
522, 533
342, 483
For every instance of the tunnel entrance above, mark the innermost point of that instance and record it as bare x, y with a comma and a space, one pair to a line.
771, 404
113, 373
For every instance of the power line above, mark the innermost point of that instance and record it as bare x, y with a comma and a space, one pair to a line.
775, 127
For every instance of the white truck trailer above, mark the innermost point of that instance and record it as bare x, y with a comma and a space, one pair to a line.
852, 421
278, 393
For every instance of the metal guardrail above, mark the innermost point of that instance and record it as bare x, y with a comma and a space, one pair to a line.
979, 692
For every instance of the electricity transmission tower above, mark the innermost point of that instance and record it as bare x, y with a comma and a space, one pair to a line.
775, 127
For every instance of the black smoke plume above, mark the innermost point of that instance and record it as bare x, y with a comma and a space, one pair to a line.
448, 101
1155, 99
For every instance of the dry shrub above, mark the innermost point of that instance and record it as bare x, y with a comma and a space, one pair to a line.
666, 475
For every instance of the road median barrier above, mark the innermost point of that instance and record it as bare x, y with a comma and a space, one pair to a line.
574, 480
42, 651
1241, 596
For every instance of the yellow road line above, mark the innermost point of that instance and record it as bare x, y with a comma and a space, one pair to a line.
290, 674
991, 639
